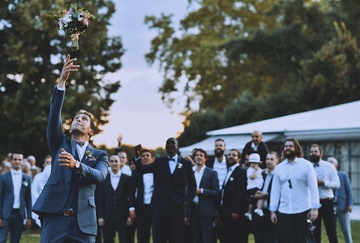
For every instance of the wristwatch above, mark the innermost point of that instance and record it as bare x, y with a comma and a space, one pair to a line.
77, 164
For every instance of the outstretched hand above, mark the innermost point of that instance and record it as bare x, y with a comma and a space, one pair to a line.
67, 69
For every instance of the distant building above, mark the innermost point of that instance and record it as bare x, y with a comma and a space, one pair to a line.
336, 129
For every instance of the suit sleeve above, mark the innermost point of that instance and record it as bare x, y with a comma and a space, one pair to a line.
143, 169
54, 127
131, 194
28, 198
348, 191
214, 190
241, 193
191, 183
98, 173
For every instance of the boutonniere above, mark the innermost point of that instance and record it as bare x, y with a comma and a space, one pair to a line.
179, 165
25, 184
231, 178
89, 155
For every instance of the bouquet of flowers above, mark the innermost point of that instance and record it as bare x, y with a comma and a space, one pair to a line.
74, 22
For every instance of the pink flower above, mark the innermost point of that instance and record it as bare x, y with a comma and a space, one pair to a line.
85, 22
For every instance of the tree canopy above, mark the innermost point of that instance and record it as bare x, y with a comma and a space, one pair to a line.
250, 60
32, 54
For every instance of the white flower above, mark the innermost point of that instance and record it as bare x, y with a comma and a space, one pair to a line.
231, 178
179, 165
25, 183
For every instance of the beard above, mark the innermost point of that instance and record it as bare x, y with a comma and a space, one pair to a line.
314, 158
289, 154
218, 153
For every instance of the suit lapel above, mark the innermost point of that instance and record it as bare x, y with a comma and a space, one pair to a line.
203, 178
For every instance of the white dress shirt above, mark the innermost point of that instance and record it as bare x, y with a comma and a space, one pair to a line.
173, 162
16, 177
198, 175
326, 171
148, 187
221, 169
81, 149
126, 170
295, 187
229, 172
114, 179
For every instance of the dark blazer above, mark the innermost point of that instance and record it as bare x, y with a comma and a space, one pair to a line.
209, 198
262, 150
268, 191
123, 193
94, 164
177, 189
138, 188
344, 193
7, 196
234, 193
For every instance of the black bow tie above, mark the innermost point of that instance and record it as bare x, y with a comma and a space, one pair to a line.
171, 159
316, 165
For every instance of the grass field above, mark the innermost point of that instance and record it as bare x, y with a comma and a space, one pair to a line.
33, 236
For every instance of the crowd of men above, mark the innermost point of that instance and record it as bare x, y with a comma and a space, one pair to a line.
78, 197
198, 199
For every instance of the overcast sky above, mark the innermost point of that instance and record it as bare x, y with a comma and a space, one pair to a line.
138, 113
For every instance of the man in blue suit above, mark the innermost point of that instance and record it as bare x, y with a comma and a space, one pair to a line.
174, 188
66, 205
343, 201
203, 209
15, 200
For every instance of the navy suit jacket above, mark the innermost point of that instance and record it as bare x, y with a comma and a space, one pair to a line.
53, 197
123, 193
177, 189
344, 193
234, 193
7, 196
208, 200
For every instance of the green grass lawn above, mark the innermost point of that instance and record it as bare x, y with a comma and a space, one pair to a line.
33, 236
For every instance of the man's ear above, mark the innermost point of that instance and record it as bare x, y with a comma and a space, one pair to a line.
91, 132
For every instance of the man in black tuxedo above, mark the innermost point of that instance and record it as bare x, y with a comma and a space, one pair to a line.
233, 201
144, 187
115, 203
256, 145
203, 208
174, 188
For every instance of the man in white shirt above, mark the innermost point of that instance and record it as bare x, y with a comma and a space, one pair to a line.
203, 206
294, 194
219, 164
144, 187
327, 179
15, 200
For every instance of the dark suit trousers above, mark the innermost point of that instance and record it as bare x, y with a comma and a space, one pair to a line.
235, 230
59, 228
263, 229
116, 223
168, 224
201, 226
326, 212
144, 217
13, 225
294, 227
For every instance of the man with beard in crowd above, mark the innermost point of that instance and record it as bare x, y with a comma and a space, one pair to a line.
233, 201
294, 194
219, 164
327, 180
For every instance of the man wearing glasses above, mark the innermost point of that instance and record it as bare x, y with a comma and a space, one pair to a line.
294, 194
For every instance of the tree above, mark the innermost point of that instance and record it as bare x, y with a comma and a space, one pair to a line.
331, 76
31, 59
